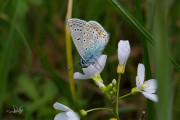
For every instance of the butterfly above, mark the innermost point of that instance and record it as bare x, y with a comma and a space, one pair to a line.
90, 39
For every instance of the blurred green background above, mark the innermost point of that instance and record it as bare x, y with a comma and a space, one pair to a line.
33, 65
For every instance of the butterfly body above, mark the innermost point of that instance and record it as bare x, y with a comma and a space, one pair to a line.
90, 39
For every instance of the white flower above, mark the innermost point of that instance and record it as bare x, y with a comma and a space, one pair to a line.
92, 70
123, 52
68, 114
148, 87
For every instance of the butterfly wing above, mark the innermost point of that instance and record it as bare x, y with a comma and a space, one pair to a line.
95, 38
76, 27
90, 39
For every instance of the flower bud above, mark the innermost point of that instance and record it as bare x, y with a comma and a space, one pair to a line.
114, 82
114, 90
123, 54
109, 87
83, 112
102, 87
111, 93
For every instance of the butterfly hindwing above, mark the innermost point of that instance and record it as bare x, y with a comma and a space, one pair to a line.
95, 38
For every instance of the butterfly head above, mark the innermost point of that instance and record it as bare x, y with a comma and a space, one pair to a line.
83, 63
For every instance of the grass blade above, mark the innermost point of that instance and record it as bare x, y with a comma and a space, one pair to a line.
6, 57
150, 105
127, 15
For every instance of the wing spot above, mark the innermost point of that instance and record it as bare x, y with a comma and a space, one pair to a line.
86, 49
84, 40
78, 39
99, 32
94, 27
104, 37
87, 28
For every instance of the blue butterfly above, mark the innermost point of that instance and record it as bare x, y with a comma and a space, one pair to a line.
90, 39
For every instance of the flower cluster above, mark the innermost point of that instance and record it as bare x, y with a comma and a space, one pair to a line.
93, 71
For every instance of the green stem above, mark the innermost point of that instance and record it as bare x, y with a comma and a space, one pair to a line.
117, 111
116, 100
98, 109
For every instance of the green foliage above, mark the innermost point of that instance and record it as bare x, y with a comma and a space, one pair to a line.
33, 70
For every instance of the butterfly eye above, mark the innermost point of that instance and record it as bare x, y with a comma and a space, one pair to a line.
81, 62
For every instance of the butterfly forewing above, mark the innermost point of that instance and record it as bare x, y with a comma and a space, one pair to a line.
76, 27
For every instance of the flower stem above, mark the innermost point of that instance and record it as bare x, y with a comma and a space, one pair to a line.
98, 109
69, 51
118, 89
122, 97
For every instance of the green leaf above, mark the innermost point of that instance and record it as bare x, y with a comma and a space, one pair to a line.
127, 15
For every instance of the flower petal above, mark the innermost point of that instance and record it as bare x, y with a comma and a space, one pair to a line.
141, 73
150, 86
78, 75
150, 90
138, 83
151, 96
152, 83
61, 107
61, 116
101, 63
90, 70
123, 52
72, 115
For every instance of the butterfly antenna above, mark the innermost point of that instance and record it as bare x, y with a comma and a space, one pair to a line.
98, 62
95, 66
75, 67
